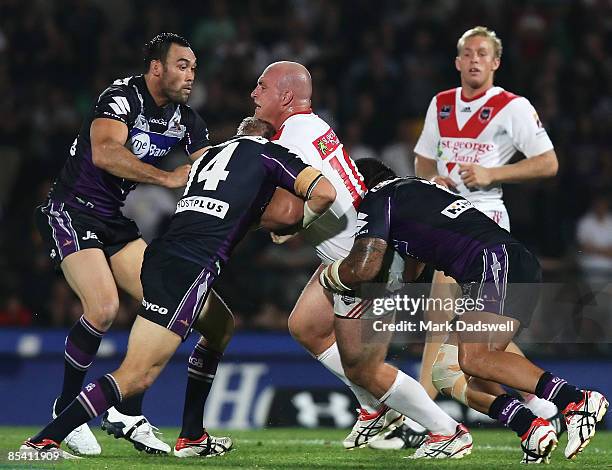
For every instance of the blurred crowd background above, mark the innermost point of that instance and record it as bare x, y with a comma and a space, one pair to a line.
375, 68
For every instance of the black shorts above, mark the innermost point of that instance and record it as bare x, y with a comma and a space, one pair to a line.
66, 230
175, 289
506, 280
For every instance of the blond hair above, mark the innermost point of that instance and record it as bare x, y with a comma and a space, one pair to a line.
484, 32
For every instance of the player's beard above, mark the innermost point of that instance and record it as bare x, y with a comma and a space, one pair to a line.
177, 96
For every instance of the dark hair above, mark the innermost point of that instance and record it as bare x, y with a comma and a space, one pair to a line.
157, 48
254, 126
374, 171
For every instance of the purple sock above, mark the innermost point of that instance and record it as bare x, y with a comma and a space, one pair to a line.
557, 390
202, 368
512, 413
82, 345
94, 399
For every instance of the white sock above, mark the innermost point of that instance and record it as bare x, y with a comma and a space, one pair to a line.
413, 425
408, 397
540, 407
330, 358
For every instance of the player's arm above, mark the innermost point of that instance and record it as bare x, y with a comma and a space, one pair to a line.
530, 138
366, 258
426, 149
317, 192
108, 137
198, 153
361, 265
541, 166
284, 212
290, 172
544, 165
427, 168
196, 141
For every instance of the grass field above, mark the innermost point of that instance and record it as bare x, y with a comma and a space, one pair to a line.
306, 448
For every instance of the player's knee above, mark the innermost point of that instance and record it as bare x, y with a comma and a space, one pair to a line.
219, 339
297, 330
447, 375
314, 337
471, 361
103, 314
228, 331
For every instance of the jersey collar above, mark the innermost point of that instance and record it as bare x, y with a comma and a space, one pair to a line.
306, 111
489, 92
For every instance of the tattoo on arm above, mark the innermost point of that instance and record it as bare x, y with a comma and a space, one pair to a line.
364, 262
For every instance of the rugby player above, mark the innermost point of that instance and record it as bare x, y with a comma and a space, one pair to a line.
470, 134
283, 98
134, 123
226, 193
420, 219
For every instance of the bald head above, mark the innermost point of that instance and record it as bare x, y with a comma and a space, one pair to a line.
284, 88
291, 76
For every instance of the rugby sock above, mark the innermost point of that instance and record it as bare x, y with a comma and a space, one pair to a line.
330, 358
201, 371
82, 345
131, 406
512, 413
557, 390
540, 407
94, 399
413, 425
408, 397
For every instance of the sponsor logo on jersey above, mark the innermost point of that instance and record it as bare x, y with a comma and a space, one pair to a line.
456, 208
326, 144
445, 111
204, 205
485, 114
160, 121
142, 146
154, 307
463, 150
90, 236
466, 109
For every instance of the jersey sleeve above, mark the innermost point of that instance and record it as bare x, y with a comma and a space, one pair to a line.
427, 145
196, 136
374, 216
118, 102
527, 132
284, 168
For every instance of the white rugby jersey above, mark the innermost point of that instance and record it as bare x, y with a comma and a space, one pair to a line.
316, 143
487, 130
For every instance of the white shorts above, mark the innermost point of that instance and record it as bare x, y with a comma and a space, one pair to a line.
496, 211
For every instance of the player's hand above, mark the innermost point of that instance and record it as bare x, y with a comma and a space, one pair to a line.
280, 239
445, 181
475, 176
178, 177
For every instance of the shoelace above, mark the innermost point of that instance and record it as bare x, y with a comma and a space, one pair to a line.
148, 428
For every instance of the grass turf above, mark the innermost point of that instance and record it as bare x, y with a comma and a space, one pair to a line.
305, 448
